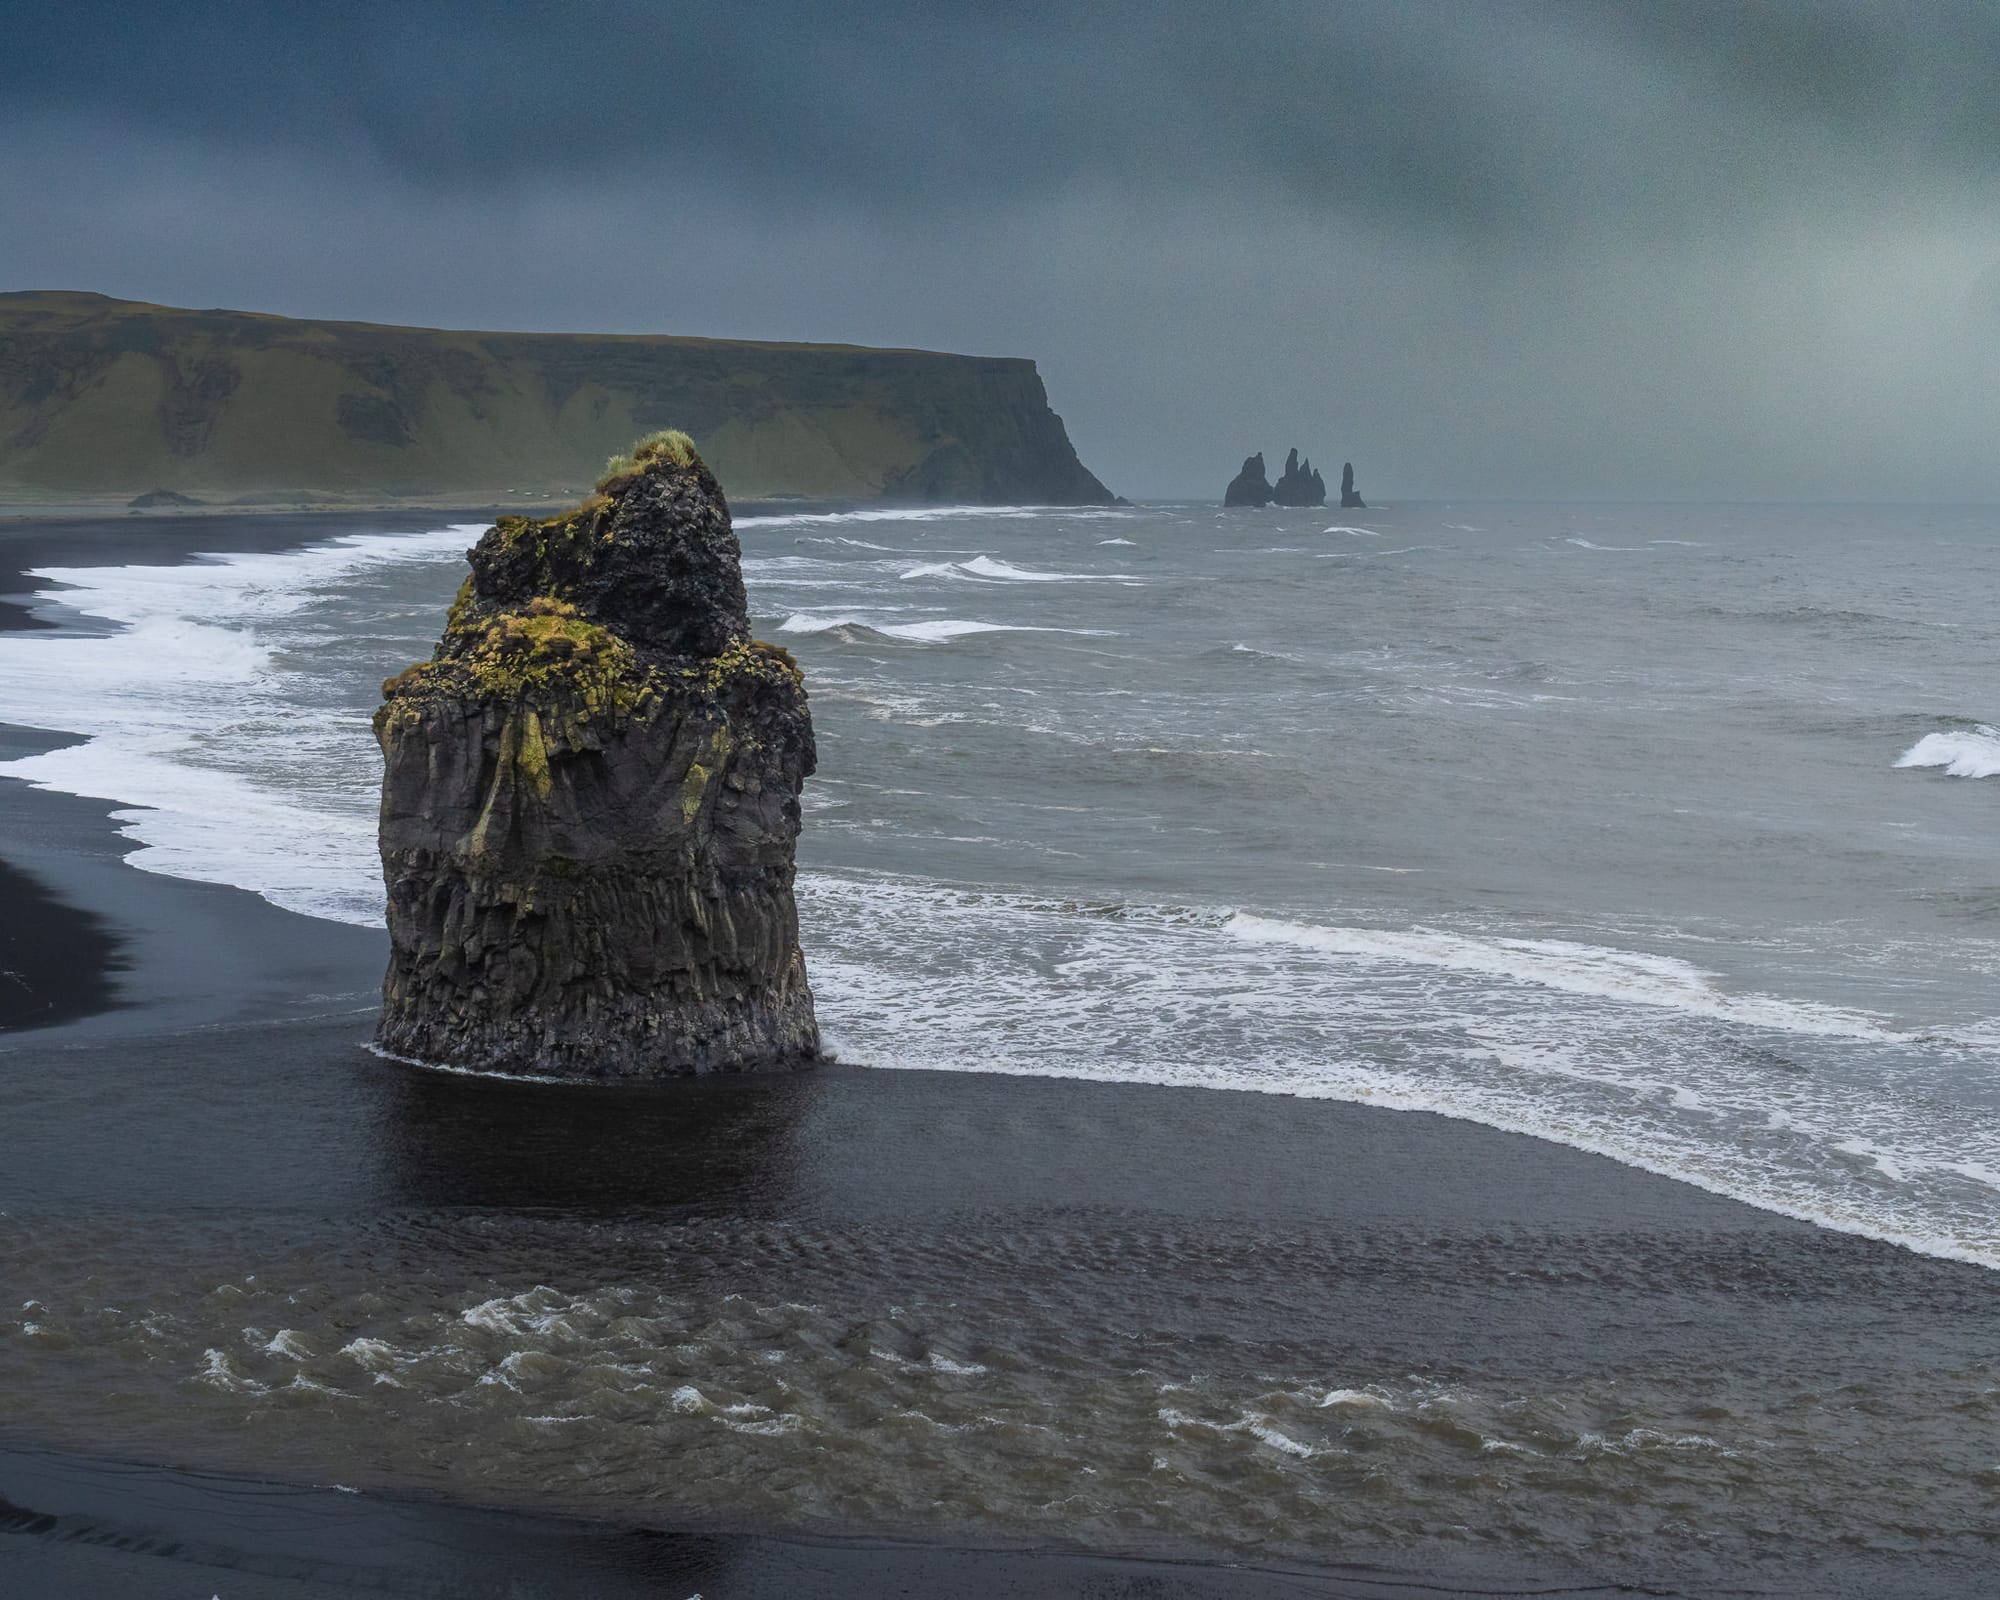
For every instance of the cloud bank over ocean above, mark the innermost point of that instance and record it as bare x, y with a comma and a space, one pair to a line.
1572, 249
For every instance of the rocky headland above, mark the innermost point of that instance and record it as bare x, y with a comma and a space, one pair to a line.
102, 399
590, 801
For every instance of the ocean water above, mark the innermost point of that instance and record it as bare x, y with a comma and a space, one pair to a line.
1656, 832
1666, 834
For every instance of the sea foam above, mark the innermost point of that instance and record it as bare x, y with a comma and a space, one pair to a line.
987, 568
1967, 753
942, 630
1629, 976
203, 715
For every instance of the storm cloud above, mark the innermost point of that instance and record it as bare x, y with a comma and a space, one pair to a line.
1495, 248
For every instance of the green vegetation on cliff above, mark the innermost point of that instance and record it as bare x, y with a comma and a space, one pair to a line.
103, 398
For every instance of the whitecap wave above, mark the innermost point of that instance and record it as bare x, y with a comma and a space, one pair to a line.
1967, 753
941, 630
988, 569
931, 514
850, 544
1632, 976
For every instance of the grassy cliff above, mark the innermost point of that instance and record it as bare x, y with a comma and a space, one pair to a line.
103, 398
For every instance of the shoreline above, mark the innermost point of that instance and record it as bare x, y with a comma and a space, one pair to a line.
260, 1013
156, 954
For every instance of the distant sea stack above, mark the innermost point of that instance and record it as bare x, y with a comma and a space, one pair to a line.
1299, 484
1350, 497
590, 800
105, 399
1250, 487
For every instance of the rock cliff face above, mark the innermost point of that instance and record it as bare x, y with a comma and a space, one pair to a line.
102, 397
1299, 484
590, 799
1249, 487
1350, 497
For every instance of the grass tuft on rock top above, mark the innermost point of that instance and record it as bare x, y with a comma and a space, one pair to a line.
670, 445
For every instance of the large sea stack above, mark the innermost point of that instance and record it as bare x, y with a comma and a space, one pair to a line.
590, 800
1350, 497
1299, 484
1250, 487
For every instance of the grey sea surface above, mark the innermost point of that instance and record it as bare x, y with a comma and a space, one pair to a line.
1662, 834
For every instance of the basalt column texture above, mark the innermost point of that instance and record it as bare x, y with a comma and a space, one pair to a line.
590, 801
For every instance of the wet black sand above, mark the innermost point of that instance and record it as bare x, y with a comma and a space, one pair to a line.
1225, 1218
227, 1089
137, 954
56, 963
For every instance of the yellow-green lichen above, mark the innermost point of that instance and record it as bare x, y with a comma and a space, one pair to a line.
547, 648
531, 753
459, 617
693, 787
749, 658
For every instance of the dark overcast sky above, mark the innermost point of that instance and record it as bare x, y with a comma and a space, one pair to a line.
1596, 248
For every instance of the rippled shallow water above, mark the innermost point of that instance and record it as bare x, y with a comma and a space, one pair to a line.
950, 1306
1663, 834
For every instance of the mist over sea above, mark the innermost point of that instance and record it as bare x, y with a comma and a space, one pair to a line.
1663, 833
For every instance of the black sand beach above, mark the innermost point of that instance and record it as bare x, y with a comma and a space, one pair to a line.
1428, 1242
197, 1132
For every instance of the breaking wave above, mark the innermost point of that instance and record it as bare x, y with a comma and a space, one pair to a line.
218, 713
941, 630
985, 567
1968, 753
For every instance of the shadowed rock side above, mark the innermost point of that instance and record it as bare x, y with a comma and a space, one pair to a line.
1350, 497
1249, 487
1299, 484
590, 801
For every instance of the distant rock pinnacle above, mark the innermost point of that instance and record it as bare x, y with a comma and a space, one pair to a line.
1249, 487
1299, 484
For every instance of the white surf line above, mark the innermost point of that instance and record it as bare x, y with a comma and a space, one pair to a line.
156, 703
